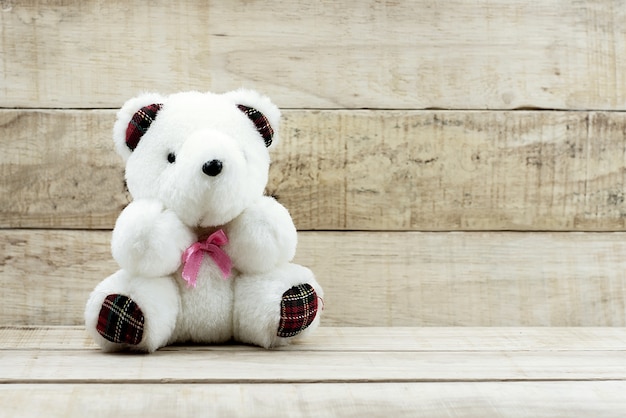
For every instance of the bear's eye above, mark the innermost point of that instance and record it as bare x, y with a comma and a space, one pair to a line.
171, 158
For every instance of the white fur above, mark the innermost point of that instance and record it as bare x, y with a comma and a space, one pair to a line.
157, 297
206, 311
257, 304
125, 114
262, 103
263, 237
149, 240
176, 204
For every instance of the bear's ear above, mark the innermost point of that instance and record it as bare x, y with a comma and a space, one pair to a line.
133, 120
264, 114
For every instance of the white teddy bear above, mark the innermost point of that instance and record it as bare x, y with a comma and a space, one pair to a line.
205, 256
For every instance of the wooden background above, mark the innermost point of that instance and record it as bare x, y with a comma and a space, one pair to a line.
447, 163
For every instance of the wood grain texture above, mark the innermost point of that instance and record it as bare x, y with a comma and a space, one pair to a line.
375, 54
403, 400
234, 366
59, 168
353, 170
244, 364
370, 278
343, 372
362, 339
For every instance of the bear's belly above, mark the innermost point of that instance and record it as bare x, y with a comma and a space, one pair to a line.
206, 311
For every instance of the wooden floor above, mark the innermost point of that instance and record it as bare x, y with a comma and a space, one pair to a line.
395, 372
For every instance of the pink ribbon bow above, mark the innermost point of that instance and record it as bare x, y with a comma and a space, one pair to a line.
192, 257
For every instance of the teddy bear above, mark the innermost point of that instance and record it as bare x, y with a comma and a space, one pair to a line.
205, 255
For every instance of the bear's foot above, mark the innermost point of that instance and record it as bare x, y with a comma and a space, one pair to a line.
298, 309
120, 320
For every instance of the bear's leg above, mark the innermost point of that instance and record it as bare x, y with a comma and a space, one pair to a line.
127, 312
274, 308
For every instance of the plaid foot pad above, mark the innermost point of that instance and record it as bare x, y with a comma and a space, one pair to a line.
297, 310
120, 320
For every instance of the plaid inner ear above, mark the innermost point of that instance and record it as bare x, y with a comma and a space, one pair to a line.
139, 124
260, 121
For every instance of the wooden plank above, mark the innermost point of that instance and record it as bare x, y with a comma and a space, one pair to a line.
276, 366
370, 278
59, 169
358, 339
552, 372
467, 399
353, 170
502, 54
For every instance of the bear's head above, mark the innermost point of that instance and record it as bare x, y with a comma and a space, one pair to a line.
205, 156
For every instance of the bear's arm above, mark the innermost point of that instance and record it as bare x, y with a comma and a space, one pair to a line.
149, 240
262, 237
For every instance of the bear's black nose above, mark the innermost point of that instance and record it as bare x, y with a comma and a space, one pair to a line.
212, 168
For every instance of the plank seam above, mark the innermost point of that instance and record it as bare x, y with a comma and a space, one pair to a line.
171, 381
350, 109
